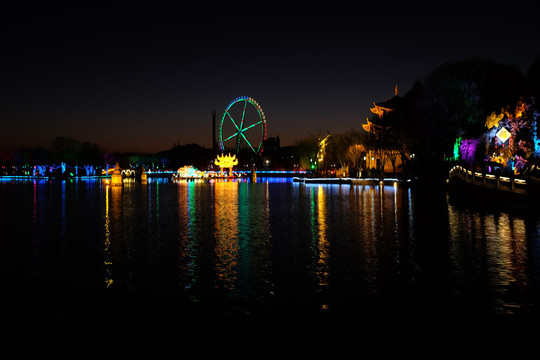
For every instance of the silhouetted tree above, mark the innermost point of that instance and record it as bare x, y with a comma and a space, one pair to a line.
307, 152
64, 149
503, 86
453, 92
533, 82
89, 154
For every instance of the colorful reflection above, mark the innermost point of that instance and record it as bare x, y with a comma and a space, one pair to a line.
189, 245
379, 234
242, 234
226, 232
264, 242
219, 238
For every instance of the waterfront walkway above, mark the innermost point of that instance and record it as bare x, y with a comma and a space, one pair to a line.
489, 181
346, 180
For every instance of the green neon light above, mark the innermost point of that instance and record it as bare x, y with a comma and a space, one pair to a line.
240, 129
247, 141
457, 144
234, 122
230, 137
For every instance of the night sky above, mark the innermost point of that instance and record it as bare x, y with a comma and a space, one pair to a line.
136, 79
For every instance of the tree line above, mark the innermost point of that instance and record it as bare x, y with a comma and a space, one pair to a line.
70, 152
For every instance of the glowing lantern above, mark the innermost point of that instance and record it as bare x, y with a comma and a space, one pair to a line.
503, 135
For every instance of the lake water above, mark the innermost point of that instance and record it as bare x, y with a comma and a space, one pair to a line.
268, 267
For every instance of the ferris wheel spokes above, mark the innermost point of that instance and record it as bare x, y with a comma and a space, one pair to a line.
234, 122
241, 133
238, 138
250, 118
241, 129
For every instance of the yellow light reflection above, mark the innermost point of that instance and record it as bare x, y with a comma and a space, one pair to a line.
107, 245
226, 232
322, 245
506, 248
499, 247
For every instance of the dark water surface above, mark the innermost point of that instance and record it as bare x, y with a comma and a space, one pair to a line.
272, 267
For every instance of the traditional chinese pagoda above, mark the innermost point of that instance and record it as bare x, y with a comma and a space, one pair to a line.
382, 108
384, 145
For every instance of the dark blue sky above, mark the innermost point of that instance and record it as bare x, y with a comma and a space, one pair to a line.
143, 79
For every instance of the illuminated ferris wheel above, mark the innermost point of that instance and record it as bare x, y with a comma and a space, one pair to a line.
243, 126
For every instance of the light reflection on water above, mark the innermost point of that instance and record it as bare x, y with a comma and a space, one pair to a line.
491, 250
270, 242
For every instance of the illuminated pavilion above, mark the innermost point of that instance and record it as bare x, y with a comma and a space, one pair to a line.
376, 157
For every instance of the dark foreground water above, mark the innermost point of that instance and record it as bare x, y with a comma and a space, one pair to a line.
266, 268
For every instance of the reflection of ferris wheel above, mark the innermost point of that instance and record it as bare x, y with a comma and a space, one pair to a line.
243, 126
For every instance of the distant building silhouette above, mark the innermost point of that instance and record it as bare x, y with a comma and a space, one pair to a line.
271, 148
271, 144
214, 141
